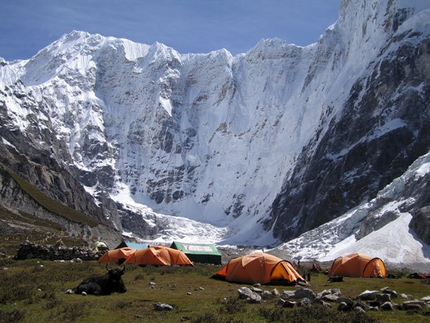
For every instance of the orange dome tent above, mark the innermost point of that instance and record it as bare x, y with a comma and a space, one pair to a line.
159, 255
358, 265
117, 255
260, 268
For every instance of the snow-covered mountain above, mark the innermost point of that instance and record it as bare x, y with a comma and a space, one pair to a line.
253, 149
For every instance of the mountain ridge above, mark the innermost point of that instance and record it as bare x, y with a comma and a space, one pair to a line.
265, 145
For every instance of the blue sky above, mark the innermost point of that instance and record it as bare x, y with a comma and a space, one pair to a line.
188, 26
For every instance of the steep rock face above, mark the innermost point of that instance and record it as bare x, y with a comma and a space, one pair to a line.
382, 129
16, 200
419, 223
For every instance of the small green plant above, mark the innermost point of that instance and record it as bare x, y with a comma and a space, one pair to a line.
212, 317
12, 316
232, 305
74, 311
314, 314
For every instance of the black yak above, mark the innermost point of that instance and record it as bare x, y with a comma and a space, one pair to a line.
107, 284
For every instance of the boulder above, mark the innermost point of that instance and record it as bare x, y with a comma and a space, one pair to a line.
368, 295
387, 306
162, 307
304, 292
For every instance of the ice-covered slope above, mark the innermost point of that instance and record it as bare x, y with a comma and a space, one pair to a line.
258, 148
380, 227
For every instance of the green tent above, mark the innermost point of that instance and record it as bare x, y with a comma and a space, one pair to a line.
205, 253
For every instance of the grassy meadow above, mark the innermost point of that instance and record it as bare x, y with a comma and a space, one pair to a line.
33, 291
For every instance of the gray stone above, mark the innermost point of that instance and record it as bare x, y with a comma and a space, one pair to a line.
359, 309
368, 295
304, 292
248, 294
344, 307
305, 302
288, 294
384, 298
267, 295
392, 293
330, 298
387, 306
289, 304
346, 300
162, 307
426, 299
411, 306
254, 298
257, 290
244, 292
275, 292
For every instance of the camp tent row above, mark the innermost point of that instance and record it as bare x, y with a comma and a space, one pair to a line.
206, 253
267, 269
158, 256
179, 253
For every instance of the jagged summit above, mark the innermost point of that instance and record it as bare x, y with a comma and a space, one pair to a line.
258, 148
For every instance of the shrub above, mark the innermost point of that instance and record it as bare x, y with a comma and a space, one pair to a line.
74, 311
232, 305
212, 317
12, 316
313, 314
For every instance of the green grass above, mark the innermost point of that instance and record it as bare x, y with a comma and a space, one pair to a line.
32, 291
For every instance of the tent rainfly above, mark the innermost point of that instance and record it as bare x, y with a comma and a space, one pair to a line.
199, 252
358, 265
117, 255
260, 268
160, 256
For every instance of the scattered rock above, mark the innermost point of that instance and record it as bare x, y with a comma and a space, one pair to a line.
384, 298
368, 295
387, 306
246, 293
287, 294
289, 304
330, 298
411, 306
392, 293
162, 307
305, 302
344, 307
30, 250
359, 309
275, 292
304, 293
426, 299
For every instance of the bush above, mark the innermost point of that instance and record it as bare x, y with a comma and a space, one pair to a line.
12, 316
313, 314
232, 305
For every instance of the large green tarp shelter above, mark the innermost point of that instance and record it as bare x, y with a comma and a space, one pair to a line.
206, 253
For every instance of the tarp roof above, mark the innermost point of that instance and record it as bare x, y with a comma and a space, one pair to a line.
196, 248
199, 252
